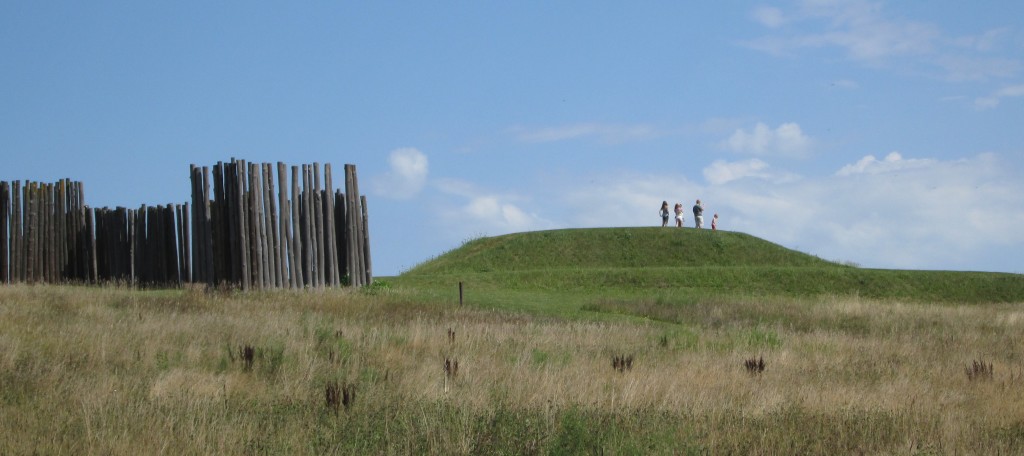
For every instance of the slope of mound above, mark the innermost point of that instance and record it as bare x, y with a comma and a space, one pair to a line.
599, 262
615, 248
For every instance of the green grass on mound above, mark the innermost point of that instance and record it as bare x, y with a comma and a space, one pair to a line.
615, 248
687, 262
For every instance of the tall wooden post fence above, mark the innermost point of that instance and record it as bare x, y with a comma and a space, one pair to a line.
239, 230
300, 233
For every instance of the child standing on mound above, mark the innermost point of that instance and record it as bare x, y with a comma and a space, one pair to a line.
714, 222
664, 213
679, 215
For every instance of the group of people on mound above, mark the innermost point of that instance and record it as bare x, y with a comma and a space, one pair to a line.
698, 215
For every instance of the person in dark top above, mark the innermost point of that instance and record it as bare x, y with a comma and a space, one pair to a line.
664, 213
698, 214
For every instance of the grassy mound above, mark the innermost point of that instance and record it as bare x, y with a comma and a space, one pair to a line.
615, 248
689, 265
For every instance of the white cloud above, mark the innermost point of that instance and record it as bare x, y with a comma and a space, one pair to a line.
606, 133
984, 42
866, 34
892, 213
769, 16
474, 211
721, 172
993, 100
892, 162
786, 140
970, 68
845, 84
506, 215
625, 200
855, 26
406, 177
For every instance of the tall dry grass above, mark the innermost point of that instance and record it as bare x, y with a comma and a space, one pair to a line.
115, 371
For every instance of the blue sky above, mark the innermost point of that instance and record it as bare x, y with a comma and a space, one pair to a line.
888, 134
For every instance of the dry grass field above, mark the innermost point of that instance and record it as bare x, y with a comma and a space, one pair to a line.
119, 371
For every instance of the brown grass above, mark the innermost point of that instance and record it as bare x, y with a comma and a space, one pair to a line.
106, 370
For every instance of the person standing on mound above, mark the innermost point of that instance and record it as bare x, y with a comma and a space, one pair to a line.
714, 223
679, 215
698, 215
664, 213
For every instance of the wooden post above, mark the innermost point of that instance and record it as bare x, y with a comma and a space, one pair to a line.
170, 247
134, 255
283, 227
341, 235
69, 221
47, 247
329, 229
5, 220
355, 215
44, 232
307, 244
213, 266
18, 243
15, 229
138, 217
273, 228
186, 247
243, 228
224, 226
30, 232
154, 240
255, 233
99, 242
51, 233
199, 233
83, 236
269, 273
90, 228
59, 191
364, 226
297, 260
318, 226
352, 232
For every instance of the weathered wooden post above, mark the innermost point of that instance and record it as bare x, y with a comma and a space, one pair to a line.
341, 235
186, 243
134, 254
295, 247
269, 231
5, 220
83, 236
365, 227
255, 234
352, 228
18, 212
329, 230
273, 227
318, 225
223, 225
31, 233
90, 229
199, 233
60, 254
283, 227
308, 254
355, 223
243, 227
